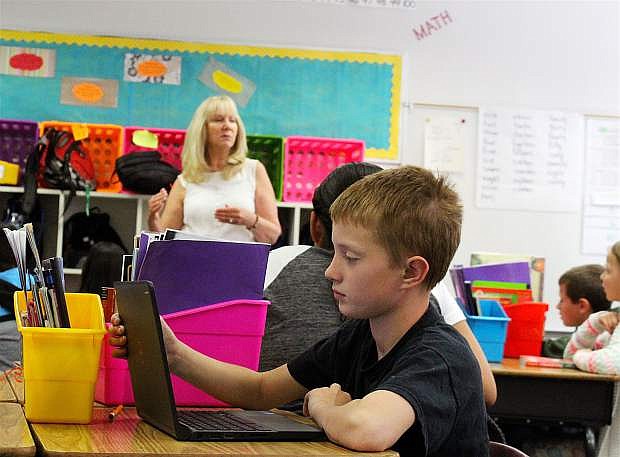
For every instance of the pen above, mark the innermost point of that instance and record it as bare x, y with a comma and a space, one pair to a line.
115, 412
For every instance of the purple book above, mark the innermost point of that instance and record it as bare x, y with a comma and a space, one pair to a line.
188, 274
507, 271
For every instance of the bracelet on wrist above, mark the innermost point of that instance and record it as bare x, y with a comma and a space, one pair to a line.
253, 226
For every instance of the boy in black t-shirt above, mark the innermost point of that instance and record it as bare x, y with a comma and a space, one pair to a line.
395, 375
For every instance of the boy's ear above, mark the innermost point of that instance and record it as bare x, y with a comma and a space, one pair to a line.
585, 307
317, 231
415, 271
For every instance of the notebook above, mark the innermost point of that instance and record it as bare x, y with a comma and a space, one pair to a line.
152, 387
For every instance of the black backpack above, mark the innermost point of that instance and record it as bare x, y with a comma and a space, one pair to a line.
82, 231
144, 172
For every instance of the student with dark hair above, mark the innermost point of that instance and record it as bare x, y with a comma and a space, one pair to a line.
303, 309
581, 294
102, 267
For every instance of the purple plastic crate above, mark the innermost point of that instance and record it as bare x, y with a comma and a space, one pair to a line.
17, 139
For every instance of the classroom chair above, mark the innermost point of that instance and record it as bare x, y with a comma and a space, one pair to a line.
503, 450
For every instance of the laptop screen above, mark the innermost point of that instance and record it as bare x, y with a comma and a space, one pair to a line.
148, 365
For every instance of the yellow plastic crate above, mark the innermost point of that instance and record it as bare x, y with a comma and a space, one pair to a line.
9, 172
61, 364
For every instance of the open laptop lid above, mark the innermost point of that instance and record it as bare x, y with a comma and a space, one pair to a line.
148, 364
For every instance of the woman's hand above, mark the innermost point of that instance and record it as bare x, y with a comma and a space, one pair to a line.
235, 216
156, 206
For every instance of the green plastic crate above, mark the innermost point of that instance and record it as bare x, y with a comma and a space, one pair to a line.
270, 151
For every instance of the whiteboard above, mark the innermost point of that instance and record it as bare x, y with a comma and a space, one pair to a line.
544, 55
556, 236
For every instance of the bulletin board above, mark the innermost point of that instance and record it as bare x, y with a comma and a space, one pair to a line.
279, 91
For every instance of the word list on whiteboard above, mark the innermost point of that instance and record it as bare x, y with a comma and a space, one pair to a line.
601, 202
529, 160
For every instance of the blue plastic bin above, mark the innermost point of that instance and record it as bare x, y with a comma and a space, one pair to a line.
490, 329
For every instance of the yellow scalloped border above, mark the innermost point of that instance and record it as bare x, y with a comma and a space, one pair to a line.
183, 46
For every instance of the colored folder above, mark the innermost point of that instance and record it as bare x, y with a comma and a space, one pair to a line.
508, 271
188, 274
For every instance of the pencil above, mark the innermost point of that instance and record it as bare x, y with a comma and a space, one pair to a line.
115, 412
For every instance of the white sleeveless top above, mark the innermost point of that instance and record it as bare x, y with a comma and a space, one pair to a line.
202, 199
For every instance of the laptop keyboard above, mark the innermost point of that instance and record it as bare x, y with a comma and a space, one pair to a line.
213, 421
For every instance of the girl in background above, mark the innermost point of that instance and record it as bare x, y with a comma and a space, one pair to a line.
595, 347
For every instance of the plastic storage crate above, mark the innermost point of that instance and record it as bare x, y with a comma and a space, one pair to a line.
308, 160
103, 146
270, 151
231, 331
170, 144
490, 329
526, 328
17, 139
60, 364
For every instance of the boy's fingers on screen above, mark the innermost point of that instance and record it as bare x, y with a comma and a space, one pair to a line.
119, 353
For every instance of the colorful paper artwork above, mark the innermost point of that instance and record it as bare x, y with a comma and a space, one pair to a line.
222, 79
154, 69
33, 62
89, 92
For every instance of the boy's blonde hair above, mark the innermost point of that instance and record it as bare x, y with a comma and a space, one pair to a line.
194, 155
410, 212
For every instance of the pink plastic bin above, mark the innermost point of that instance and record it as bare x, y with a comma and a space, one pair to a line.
231, 331
308, 160
170, 144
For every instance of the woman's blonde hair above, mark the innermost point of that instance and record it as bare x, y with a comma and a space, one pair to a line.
194, 155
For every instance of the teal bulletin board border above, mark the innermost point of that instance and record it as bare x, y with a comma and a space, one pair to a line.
298, 92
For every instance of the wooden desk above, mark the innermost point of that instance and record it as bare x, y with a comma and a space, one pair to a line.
128, 435
6, 391
535, 394
16, 382
15, 438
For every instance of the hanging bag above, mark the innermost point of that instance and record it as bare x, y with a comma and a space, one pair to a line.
144, 172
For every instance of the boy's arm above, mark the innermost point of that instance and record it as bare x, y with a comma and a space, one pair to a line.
233, 384
489, 389
372, 423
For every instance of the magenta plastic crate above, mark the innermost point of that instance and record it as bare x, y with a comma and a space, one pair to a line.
17, 139
231, 331
170, 143
308, 160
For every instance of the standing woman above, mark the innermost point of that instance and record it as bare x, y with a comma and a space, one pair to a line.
221, 193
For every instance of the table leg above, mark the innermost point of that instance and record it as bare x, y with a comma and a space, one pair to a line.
590, 442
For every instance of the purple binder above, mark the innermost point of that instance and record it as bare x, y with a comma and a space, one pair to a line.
508, 271
187, 274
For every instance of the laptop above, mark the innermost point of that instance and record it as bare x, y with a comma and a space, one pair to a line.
152, 387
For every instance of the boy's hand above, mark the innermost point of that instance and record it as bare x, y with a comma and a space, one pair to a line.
332, 395
118, 340
609, 320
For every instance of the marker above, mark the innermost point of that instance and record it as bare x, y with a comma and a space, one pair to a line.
115, 412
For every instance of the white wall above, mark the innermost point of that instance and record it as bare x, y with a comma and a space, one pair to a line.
540, 55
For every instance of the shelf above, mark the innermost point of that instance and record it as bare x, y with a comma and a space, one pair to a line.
80, 193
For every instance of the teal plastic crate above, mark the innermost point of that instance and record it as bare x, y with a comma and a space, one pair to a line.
490, 329
269, 150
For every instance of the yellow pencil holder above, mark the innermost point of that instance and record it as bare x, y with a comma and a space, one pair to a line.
61, 364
